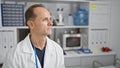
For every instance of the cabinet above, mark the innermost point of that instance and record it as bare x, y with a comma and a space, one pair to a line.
94, 35
7, 42
99, 23
74, 60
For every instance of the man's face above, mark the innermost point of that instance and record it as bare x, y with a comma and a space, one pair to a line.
42, 23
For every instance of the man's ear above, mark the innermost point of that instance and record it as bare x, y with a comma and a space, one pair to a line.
30, 24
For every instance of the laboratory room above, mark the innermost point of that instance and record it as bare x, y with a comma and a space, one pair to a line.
59, 34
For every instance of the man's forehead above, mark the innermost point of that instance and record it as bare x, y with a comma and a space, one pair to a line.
41, 11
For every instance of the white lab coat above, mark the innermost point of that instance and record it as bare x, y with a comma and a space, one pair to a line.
22, 56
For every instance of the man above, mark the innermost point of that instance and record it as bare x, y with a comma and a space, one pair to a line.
36, 50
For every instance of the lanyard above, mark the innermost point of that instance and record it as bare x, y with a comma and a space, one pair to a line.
35, 57
36, 63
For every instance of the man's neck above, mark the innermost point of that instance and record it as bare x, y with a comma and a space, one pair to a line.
38, 41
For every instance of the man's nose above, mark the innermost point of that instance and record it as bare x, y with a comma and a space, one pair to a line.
50, 22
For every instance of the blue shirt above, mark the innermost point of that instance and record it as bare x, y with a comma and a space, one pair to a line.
40, 54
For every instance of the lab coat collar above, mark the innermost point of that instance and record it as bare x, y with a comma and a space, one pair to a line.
27, 48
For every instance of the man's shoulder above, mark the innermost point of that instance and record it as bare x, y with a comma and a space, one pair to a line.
55, 45
16, 48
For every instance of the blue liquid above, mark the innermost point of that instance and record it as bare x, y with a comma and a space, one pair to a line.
81, 17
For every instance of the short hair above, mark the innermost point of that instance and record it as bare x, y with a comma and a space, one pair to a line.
29, 14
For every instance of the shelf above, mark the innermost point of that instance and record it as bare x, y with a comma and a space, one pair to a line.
70, 27
52, 0
25, 27
75, 54
15, 27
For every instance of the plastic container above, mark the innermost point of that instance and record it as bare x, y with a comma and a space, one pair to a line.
81, 17
70, 20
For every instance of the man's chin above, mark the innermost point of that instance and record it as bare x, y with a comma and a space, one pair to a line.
49, 33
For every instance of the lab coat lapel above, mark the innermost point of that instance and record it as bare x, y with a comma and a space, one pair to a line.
48, 54
27, 48
33, 60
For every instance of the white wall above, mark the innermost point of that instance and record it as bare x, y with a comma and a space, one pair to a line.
115, 26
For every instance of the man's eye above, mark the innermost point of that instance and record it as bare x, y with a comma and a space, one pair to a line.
45, 19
